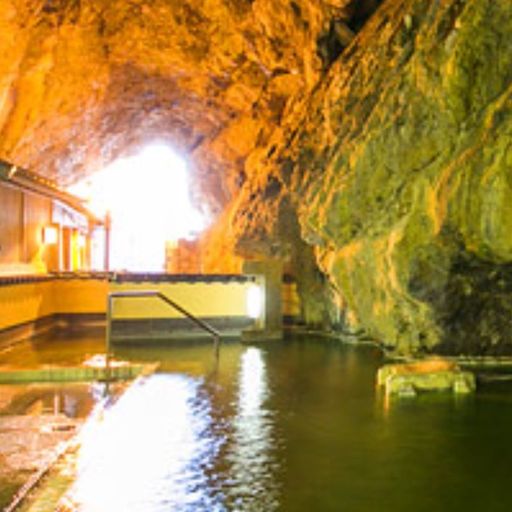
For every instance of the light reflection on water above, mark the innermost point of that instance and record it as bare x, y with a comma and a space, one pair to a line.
150, 451
159, 448
253, 486
292, 426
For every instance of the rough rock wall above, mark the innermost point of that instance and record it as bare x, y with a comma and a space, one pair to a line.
380, 172
83, 81
400, 174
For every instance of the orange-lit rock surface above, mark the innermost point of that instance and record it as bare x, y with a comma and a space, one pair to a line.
378, 168
398, 169
84, 81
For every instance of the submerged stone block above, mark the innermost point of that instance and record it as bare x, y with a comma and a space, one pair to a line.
436, 375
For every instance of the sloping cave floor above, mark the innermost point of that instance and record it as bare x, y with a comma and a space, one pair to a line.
39, 421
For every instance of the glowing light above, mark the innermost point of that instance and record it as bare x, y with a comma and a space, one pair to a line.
253, 487
50, 235
148, 198
148, 452
254, 301
81, 240
253, 388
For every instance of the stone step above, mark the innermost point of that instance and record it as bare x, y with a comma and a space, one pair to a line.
75, 374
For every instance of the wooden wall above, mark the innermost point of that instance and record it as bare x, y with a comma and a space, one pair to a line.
22, 217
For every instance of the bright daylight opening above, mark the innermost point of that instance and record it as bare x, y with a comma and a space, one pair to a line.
148, 199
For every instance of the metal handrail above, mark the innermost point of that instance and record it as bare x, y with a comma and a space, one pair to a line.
152, 293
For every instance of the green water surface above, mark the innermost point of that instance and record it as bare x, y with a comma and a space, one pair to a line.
287, 426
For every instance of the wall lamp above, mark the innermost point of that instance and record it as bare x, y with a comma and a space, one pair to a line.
254, 304
50, 235
81, 240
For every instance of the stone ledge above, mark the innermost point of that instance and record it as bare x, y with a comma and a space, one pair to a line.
77, 374
261, 335
432, 375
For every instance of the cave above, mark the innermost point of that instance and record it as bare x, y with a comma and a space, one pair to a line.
354, 157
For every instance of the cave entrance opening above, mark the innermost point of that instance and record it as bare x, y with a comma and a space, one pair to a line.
147, 197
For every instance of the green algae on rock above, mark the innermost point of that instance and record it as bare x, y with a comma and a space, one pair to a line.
370, 152
399, 167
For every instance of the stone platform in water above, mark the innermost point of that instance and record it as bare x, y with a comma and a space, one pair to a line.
430, 375
78, 374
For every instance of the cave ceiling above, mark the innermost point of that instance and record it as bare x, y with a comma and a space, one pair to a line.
85, 81
366, 144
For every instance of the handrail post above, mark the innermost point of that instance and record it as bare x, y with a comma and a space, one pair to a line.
108, 335
216, 346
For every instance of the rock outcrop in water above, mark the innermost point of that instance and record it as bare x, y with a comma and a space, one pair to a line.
407, 380
379, 167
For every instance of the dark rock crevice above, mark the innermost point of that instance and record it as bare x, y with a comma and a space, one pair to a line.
398, 167
474, 308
